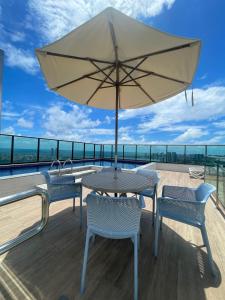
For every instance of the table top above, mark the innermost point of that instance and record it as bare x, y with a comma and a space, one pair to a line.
124, 183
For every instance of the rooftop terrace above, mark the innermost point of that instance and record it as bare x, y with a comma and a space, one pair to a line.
48, 265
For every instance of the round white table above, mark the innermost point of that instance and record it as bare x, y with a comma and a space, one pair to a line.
124, 183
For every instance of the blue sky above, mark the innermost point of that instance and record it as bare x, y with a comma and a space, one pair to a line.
29, 108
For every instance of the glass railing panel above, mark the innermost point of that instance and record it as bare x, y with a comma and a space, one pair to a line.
25, 149
195, 155
215, 153
175, 154
120, 151
47, 150
130, 152
89, 150
107, 151
97, 151
158, 153
211, 174
143, 152
78, 150
65, 150
5, 149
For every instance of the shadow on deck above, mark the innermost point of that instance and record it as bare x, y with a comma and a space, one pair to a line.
48, 265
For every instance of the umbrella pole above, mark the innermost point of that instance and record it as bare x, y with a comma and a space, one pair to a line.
116, 126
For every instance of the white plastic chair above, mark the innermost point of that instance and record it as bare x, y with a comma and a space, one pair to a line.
61, 187
114, 218
150, 192
185, 205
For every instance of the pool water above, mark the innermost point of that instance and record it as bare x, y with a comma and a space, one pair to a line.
32, 169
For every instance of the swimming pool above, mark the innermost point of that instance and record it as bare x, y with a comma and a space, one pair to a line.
7, 171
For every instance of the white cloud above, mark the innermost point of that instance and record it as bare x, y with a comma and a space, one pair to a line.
8, 130
56, 18
17, 36
209, 104
20, 58
190, 135
8, 115
74, 123
25, 123
220, 124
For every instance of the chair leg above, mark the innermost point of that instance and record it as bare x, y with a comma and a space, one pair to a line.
84, 268
81, 212
206, 243
153, 211
156, 241
161, 221
136, 267
74, 204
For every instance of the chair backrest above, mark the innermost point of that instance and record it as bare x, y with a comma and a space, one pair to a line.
203, 192
113, 213
151, 174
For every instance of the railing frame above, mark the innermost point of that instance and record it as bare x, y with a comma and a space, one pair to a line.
31, 232
161, 158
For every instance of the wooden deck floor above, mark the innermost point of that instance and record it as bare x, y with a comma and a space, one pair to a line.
48, 265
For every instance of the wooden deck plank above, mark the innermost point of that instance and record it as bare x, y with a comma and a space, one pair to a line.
48, 265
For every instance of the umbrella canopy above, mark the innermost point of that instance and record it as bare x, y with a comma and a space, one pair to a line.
116, 62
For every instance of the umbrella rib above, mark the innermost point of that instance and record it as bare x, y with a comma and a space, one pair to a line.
80, 78
90, 77
127, 75
161, 51
158, 75
138, 85
141, 76
75, 57
105, 87
101, 70
100, 85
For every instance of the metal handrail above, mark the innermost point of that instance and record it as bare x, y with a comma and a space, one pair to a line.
59, 165
34, 231
68, 161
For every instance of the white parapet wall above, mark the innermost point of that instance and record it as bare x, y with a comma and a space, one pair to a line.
19, 183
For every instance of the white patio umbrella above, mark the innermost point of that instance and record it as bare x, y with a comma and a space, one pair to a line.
116, 62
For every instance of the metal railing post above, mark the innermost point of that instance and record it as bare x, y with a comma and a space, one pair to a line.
166, 153
217, 184
38, 150
206, 153
12, 149
84, 154
150, 153
57, 150
136, 152
72, 150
